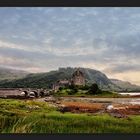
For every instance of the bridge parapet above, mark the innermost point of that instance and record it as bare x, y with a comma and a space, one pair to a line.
24, 92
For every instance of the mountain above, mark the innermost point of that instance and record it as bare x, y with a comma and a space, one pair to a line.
43, 80
46, 80
126, 86
11, 74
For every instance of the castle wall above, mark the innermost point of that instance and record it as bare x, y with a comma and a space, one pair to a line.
78, 78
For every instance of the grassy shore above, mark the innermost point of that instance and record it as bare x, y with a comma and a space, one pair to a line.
18, 116
83, 93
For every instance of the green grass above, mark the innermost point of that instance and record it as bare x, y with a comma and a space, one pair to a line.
80, 92
18, 116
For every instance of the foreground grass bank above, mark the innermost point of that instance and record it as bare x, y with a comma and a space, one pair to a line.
18, 116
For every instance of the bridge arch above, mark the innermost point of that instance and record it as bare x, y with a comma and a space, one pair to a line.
25, 93
42, 94
35, 93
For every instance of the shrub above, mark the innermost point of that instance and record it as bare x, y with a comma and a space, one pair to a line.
94, 89
86, 87
61, 88
71, 86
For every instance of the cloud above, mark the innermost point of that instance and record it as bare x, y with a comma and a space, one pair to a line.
130, 76
122, 68
45, 38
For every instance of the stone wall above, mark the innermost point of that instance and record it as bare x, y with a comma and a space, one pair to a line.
78, 78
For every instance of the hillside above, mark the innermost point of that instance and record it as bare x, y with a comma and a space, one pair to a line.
11, 74
126, 86
46, 80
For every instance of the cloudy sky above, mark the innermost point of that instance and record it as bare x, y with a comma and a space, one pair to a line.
43, 39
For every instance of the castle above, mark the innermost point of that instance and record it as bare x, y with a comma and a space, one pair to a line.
76, 79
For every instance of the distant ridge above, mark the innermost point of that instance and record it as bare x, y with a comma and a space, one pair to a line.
45, 80
11, 74
125, 85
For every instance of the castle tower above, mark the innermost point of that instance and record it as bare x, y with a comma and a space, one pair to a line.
78, 78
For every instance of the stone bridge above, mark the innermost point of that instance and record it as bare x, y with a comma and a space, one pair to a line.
25, 92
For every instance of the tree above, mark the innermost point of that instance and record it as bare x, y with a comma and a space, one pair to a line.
86, 87
73, 89
94, 89
72, 86
60, 88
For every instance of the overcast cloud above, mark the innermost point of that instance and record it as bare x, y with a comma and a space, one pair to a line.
43, 39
